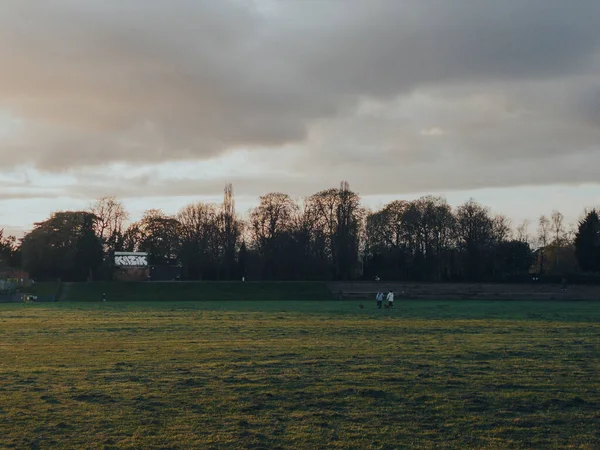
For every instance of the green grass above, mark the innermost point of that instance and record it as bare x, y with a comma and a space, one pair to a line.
300, 375
195, 291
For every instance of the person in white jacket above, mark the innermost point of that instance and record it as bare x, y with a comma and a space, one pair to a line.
390, 299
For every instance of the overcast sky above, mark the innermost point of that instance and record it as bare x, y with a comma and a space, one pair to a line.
162, 102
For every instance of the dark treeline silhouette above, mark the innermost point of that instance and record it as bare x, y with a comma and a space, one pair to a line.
326, 236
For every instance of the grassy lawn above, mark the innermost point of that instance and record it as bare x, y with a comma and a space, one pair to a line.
195, 291
300, 375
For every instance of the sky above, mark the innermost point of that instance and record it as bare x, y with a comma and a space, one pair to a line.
163, 103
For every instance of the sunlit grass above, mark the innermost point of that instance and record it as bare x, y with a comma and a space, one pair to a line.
300, 375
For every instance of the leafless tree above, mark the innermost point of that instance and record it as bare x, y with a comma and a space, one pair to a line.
200, 236
501, 228
474, 234
230, 231
197, 220
272, 216
160, 235
111, 217
523, 232
543, 240
271, 226
338, 217
385, 229
543, 231
558, 230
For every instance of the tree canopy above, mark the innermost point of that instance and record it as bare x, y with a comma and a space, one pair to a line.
326, 236
64, 246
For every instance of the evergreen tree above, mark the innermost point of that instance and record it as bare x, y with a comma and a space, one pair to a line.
89, 250
587, 243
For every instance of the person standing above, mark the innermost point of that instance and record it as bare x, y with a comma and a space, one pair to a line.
379, 298
390, 299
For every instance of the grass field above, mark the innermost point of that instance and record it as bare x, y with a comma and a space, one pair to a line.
195, 291
300, 375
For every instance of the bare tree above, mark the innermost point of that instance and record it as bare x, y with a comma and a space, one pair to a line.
501, 228
474, 235
272, 216
306, 230
199, 237
428, 225
131, 239
385, 228
271, 225
339, 217
197, 220
230, 231
559, 232
523, 232
111, 217
571, 233
160, 236
543, 231
349, 217
543, 238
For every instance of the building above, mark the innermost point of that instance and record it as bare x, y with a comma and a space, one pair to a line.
131, 266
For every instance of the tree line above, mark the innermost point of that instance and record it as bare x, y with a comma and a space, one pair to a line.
326, 236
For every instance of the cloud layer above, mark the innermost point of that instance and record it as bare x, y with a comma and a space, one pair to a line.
394, 96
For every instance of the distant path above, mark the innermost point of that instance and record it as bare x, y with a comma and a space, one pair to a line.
278, 291
466, 291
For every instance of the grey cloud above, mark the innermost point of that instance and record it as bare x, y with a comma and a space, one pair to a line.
588, 106
189, 79
442, 175
380, 48
146, 186
510, 83
23, 194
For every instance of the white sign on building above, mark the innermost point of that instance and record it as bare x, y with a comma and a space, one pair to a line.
131, 259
